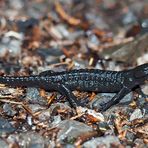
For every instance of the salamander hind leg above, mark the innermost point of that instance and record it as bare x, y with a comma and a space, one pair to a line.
116, 99
127, 87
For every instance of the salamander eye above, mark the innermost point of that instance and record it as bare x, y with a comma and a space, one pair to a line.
130, 79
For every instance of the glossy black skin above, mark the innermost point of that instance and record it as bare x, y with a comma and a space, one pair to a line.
94, 80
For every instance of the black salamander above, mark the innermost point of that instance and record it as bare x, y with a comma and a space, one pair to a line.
121, 82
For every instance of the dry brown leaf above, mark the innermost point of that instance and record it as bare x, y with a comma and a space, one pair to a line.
71, 20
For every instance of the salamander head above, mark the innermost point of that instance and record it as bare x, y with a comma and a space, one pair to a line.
141, 72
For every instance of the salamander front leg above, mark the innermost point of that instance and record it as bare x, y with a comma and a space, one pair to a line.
62, 89
116, 99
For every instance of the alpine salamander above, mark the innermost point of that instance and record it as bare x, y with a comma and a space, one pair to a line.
95, 80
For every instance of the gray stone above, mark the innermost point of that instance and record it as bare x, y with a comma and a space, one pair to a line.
137, 114
6, 127
8, 109
33, 95
71, 129
29, 139
3, 144
101, 141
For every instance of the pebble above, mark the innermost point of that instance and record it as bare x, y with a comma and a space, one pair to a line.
33, 95
29, 139
102, 142
6, 127
71, 129
129, 18
11, 44
137, 114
